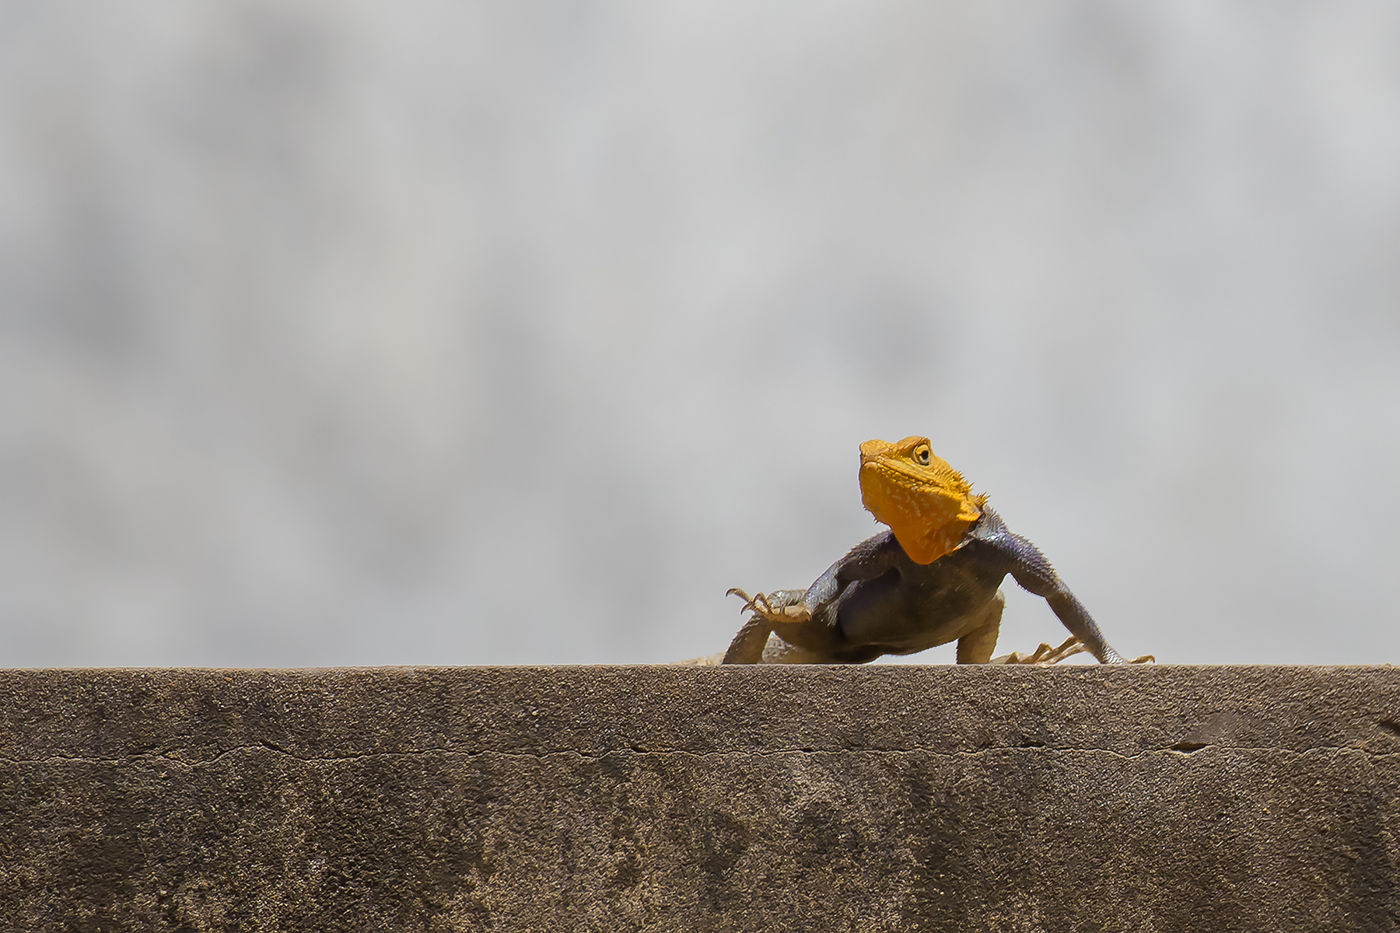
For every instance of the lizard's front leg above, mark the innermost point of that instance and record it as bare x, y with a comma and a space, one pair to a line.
796, 616
778, 610
1045, 654
1030, 569
777, 607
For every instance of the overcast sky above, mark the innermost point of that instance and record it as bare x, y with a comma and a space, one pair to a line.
345, 333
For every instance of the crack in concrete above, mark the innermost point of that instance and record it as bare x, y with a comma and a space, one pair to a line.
1391, 851
1174, 751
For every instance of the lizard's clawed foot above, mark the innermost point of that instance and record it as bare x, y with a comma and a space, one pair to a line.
759, 603
1044, 654
1145, 659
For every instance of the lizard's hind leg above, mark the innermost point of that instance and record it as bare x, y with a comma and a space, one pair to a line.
976, 646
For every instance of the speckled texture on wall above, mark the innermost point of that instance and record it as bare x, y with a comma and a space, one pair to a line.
670, 798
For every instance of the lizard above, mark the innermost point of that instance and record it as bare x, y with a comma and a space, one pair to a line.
931, 577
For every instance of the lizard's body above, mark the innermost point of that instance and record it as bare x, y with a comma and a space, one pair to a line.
879, 600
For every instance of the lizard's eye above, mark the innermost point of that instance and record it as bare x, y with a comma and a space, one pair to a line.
921, 454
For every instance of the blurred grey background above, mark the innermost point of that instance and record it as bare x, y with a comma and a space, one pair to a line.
442, 333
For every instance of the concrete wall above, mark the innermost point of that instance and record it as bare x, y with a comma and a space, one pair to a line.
612, 798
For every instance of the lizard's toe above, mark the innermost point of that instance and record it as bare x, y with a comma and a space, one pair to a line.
1045, 654
1068, 649
781, 606
749, 601
791, 612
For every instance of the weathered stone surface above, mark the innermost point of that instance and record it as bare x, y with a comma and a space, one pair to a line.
757, 798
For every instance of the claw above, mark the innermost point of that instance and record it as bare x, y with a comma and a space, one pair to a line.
758, 603
1145, 659
1045, 654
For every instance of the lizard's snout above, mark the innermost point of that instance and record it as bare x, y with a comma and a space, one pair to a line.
872, 449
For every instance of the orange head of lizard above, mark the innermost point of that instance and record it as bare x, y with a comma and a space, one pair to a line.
926, 503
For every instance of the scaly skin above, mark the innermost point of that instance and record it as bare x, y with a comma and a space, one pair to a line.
933, 578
